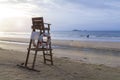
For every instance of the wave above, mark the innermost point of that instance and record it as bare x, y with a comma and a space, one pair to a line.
72, 35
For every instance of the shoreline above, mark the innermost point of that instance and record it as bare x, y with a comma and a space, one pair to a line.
71, 43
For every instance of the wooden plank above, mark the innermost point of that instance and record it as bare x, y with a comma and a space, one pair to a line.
48, 60
22, 66
40, 49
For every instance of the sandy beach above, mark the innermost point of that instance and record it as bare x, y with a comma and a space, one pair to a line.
73, 60
59, 39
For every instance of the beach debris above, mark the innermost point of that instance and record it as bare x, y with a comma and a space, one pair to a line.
84, 58
1, 48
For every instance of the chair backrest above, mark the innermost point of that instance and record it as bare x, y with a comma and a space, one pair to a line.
38, 23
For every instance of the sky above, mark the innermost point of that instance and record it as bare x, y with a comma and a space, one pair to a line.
16, 15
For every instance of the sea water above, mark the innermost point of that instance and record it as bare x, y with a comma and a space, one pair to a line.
113, 36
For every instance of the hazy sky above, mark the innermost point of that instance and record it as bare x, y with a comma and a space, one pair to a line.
15, 15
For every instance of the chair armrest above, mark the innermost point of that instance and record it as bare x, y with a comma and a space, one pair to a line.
47, 23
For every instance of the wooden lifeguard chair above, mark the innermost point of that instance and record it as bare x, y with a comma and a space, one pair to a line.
40, 41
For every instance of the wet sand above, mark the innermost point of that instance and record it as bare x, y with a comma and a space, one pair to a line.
107, 53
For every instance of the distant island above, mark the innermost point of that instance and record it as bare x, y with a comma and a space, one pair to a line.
76, 30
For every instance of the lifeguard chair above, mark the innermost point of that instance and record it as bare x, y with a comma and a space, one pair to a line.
40, 41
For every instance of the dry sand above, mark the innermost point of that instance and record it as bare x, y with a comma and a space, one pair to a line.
63, 69
72, 61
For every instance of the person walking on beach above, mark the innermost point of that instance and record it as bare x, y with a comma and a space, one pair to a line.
88, 36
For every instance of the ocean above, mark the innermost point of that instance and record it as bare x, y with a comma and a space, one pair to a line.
112, 36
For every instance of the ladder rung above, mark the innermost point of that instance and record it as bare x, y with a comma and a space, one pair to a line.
39, 49
47, 54
46, 28
48, 60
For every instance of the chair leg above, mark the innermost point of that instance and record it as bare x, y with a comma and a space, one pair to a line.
44, 57
34, 60
51, 56
26, 62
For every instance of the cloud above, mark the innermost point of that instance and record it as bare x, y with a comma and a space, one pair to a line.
68, 14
